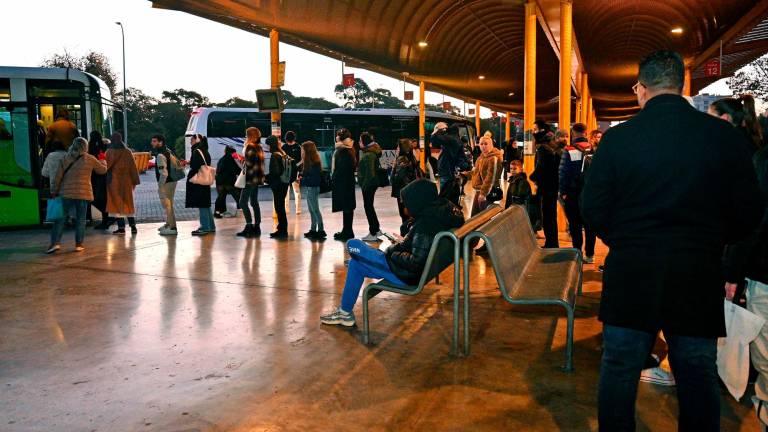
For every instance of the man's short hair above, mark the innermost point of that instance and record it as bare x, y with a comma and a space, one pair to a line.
159, 138
662, 70
516, 162
579, 128
290, 136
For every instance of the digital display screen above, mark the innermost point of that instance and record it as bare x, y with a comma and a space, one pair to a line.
270, 100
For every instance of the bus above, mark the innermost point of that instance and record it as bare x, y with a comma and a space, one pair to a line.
226, 127
29, 100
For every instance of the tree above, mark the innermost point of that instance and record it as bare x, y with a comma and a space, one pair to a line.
239, 103
186, 98
141, 118
383, 99
358, 95
752, 79
93, 62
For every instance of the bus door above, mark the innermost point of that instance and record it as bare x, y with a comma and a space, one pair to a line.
19, 185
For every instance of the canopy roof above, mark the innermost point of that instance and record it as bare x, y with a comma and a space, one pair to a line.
468, 38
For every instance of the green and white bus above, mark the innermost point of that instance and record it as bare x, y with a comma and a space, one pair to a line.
29, 99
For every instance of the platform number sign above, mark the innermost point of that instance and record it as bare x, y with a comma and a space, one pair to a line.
408, 95
446, 106
471, 111
348, 80
712, 68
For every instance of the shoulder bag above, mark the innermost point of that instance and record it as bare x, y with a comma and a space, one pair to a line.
496, 193
205, 175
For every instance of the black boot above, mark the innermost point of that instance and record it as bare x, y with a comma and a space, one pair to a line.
246, 232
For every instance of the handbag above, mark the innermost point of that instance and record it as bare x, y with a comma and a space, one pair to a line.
382, 176
205, 175
495, 194
240, 182
55, 210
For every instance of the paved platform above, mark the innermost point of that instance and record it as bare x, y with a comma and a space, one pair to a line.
150, 333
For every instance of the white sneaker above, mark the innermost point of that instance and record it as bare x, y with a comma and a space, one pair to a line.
657, 376
166, 231
370, 238
53, 249
162, 227
338, 317
229, 214
589, 260
79, 248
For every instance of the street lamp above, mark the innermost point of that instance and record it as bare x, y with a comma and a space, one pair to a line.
125, 90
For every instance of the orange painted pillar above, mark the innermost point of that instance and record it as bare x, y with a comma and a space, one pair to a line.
422, 135
687, 82
274, 56
529, 80
477, 118
508, 128
584, 92
566, 57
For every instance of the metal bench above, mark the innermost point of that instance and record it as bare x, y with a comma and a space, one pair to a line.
526, 273
445, 249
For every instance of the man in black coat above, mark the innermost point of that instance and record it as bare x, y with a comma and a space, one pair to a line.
667, 190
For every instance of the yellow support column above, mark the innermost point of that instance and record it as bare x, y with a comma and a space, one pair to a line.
477, 118
584, 92
274, 56
529, 96
508, 128
687, 82
590, 111
566, 54
422, 135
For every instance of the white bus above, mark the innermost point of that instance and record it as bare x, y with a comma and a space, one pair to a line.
29, 100
226, 127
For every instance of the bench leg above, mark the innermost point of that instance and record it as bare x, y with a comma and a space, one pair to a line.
366, 329
569, 340
456, 300
437, 279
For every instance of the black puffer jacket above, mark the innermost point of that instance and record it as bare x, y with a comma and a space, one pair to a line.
451, 155
431, 215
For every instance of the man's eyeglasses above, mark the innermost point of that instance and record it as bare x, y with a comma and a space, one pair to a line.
637, 86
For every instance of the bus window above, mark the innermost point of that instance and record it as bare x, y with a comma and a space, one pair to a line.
5, 89
226, 124
15, 157
262, 121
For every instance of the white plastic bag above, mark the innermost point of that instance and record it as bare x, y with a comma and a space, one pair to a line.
742, 327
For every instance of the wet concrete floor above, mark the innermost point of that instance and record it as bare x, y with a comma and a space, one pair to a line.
150, 333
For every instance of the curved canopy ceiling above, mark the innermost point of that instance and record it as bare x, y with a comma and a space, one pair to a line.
468, 38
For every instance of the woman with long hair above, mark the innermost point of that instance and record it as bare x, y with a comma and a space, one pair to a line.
343, 176
278, 186
311, 176
199, 196
405, 170
254, 177
740, 112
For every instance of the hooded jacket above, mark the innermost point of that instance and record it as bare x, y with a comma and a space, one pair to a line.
369, 163
483, 179
546, 175
519, 190
431, 215
451, 155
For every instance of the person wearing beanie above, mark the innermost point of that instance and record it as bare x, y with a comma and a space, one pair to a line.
403, 262
545, 175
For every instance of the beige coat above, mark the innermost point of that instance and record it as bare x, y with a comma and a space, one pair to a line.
122, 179
76, 184
482, 175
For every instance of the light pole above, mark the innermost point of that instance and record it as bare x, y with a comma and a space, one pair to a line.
125, 90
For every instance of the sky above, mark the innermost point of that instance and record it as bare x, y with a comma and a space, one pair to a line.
166, 50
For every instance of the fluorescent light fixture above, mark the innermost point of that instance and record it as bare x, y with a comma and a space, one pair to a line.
423, 44
677, 30
511, 94
481, 77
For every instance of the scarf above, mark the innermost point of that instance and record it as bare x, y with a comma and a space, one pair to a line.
347, 143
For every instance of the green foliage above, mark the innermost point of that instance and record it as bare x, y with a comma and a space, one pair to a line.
93, 62
179, 148
361, 96
752, 79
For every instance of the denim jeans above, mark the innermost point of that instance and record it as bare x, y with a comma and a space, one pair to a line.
206, 220
365, 262
78, 207
313, 195
250, 194
694, 366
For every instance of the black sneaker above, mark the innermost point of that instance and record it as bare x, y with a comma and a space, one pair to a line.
199, 232
320, 235
119, 231
310, 234
342, 236
134, 230
218, 215
256, 231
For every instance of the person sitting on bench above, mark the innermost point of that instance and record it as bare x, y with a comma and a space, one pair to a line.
403, 262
